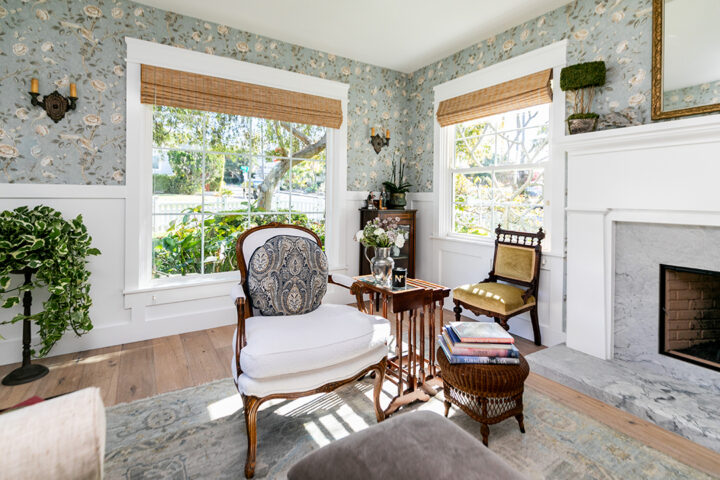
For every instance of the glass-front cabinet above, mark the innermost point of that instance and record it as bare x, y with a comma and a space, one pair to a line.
404, 257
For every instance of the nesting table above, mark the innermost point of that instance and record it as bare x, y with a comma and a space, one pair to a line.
417, 306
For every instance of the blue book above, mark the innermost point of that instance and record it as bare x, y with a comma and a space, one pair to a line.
473, 359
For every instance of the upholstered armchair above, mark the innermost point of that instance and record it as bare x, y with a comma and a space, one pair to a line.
287, 343
516, 263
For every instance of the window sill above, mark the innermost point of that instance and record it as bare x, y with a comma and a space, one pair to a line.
181, 290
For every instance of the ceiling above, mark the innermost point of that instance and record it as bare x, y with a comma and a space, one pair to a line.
401, 35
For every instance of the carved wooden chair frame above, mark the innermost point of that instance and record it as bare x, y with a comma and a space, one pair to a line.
516, 239
251, 404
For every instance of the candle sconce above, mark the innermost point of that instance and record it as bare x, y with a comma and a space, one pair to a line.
55, 104
378, 142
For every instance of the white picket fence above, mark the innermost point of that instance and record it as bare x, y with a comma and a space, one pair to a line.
167, 208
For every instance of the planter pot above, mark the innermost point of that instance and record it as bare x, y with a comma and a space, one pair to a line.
582, 125
397, 200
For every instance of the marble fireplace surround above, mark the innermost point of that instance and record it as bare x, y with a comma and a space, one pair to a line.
624, 188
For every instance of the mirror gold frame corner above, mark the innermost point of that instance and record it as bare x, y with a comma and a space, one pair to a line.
656, 103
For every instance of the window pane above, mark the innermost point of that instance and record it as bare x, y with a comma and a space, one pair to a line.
473, 128
521, 218
473, 188
474, 151
308, 186
536, 116
519, 186
177, 128
228, 133
523, 146
176, 245
474, 220
221, 232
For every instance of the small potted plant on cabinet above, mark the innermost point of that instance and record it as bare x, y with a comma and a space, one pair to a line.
398, 186
581, 80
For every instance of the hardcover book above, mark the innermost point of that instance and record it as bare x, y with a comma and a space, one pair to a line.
476, 360
481, 332
485, 350
456, 341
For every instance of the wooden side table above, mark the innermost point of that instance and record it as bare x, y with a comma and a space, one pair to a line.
420, 305
488, 393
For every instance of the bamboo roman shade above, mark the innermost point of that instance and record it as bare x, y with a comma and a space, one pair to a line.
173, 88
520, 93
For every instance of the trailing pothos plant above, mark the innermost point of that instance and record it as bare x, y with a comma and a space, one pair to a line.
40, 241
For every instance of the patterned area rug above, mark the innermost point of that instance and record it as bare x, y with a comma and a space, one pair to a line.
199, 432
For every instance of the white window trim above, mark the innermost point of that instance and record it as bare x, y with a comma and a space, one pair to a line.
552, 56
138, 225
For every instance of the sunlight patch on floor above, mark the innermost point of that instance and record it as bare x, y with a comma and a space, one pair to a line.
225, 407
317, 435
352, 419
333, 426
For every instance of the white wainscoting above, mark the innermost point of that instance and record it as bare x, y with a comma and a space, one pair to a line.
119, 318
660, 173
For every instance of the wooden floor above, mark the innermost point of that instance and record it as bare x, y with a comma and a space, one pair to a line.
138, 370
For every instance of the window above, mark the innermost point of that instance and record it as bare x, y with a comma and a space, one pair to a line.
497, 170
216, 175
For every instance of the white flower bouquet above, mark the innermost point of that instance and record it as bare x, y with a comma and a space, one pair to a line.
381, 234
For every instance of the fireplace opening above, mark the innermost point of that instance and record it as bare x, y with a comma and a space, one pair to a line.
690, 315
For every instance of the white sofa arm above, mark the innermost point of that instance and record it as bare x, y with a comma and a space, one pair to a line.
237, 292
341, 279
62, 438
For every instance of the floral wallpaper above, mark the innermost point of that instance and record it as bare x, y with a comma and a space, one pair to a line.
616, 31
695, 96
83, 42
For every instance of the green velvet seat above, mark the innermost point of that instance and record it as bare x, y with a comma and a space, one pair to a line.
494, 297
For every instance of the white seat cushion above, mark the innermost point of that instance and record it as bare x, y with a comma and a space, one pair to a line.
332, 334
305, 381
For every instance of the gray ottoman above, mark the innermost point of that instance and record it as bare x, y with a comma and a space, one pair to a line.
418, 445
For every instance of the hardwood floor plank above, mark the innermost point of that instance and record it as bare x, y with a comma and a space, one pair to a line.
202, 359
226, 356
671, 444
136, 378
171, 365
64, 377
221, 336
101, 368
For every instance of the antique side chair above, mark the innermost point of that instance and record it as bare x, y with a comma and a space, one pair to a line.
280, 354
516, 261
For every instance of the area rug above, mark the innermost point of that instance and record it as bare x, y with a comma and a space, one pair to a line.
199, 432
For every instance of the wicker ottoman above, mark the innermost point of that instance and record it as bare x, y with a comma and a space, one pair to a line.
488, 393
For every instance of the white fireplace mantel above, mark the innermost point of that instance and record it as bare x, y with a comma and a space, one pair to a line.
666, 173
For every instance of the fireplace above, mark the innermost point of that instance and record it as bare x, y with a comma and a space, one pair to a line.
690, 315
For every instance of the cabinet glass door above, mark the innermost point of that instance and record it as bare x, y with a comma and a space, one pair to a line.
402, 255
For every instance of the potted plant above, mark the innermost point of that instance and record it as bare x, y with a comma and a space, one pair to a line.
398, 186
48, 252
581, 80
381, 235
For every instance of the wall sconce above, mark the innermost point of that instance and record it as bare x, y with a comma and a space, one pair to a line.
54, 104
379, 142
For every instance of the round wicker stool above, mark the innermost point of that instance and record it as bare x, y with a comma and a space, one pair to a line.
488, 393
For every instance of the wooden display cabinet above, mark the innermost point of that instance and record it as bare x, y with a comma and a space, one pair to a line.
404, 257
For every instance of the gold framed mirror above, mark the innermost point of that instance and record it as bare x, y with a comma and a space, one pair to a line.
685, 58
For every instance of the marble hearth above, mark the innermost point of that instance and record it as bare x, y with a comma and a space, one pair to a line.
674, 394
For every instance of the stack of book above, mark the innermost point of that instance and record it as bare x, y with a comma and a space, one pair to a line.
478, 342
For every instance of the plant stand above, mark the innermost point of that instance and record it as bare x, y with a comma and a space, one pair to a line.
28, 371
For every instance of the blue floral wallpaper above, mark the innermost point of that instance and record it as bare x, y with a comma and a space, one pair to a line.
83, 41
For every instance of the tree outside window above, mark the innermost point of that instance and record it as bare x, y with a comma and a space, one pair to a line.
498, 172
216, 175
